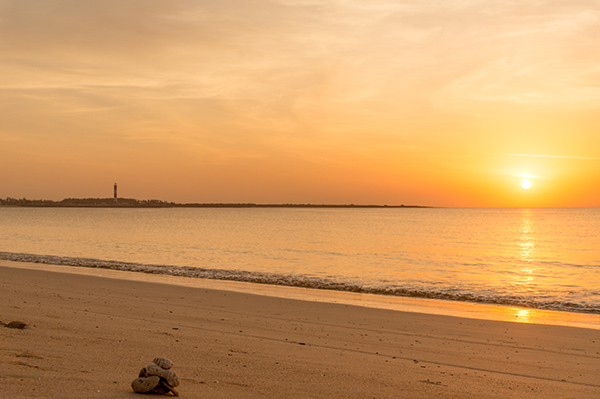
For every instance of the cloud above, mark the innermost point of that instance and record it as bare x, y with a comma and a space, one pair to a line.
552, 156
538, 55
299, 66
453, 54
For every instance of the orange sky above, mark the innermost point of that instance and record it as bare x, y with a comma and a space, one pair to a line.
442, 103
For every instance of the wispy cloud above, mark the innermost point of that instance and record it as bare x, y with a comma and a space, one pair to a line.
551, 156
276, 89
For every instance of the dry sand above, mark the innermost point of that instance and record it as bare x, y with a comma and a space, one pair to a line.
88, 337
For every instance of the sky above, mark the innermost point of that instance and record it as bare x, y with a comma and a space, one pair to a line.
427, 102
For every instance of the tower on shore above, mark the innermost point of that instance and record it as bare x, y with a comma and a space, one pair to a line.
116, 194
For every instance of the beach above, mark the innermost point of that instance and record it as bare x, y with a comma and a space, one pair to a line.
88, 336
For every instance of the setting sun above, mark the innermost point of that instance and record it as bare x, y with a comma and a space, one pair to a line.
330, 102
526, 184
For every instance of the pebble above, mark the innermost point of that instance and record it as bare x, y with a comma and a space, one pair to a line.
16, 324
145, 384
162, 362
157, 378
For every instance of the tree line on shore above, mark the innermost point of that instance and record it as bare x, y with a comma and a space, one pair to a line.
83, 202
153, 203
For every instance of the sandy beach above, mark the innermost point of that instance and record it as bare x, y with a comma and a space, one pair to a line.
88, 336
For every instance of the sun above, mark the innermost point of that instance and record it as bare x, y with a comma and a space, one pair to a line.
526, 184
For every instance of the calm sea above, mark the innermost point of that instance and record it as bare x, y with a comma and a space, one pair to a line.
537, 258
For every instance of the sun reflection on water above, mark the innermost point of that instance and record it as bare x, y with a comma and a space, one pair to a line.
527, 237
522, 315
525, 274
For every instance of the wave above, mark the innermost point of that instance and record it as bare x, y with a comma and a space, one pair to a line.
304, 282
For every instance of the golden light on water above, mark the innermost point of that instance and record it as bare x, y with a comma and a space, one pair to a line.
527, 242
522, 315
527, 237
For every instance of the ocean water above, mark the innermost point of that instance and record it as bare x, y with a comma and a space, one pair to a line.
536, 258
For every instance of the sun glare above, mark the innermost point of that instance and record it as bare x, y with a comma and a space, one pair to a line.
526, 184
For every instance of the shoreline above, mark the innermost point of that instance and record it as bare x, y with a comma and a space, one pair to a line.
464, 309
134, 203
88, 336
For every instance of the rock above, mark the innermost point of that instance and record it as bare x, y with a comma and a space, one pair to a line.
162, 362
167, 375
16, 324
165, 388
145, 384
157, 378
160, 388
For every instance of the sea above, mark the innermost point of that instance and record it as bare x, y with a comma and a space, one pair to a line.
540, 258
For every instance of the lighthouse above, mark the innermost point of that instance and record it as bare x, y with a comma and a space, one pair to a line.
115, 193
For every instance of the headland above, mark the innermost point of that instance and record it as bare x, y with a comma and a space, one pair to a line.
153, 203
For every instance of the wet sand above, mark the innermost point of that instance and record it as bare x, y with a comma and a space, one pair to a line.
88, 337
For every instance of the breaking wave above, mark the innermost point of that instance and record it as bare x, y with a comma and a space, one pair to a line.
301, 281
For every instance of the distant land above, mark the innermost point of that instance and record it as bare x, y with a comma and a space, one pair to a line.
134, 203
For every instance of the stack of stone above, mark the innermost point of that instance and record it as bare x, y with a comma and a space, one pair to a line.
157, 378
